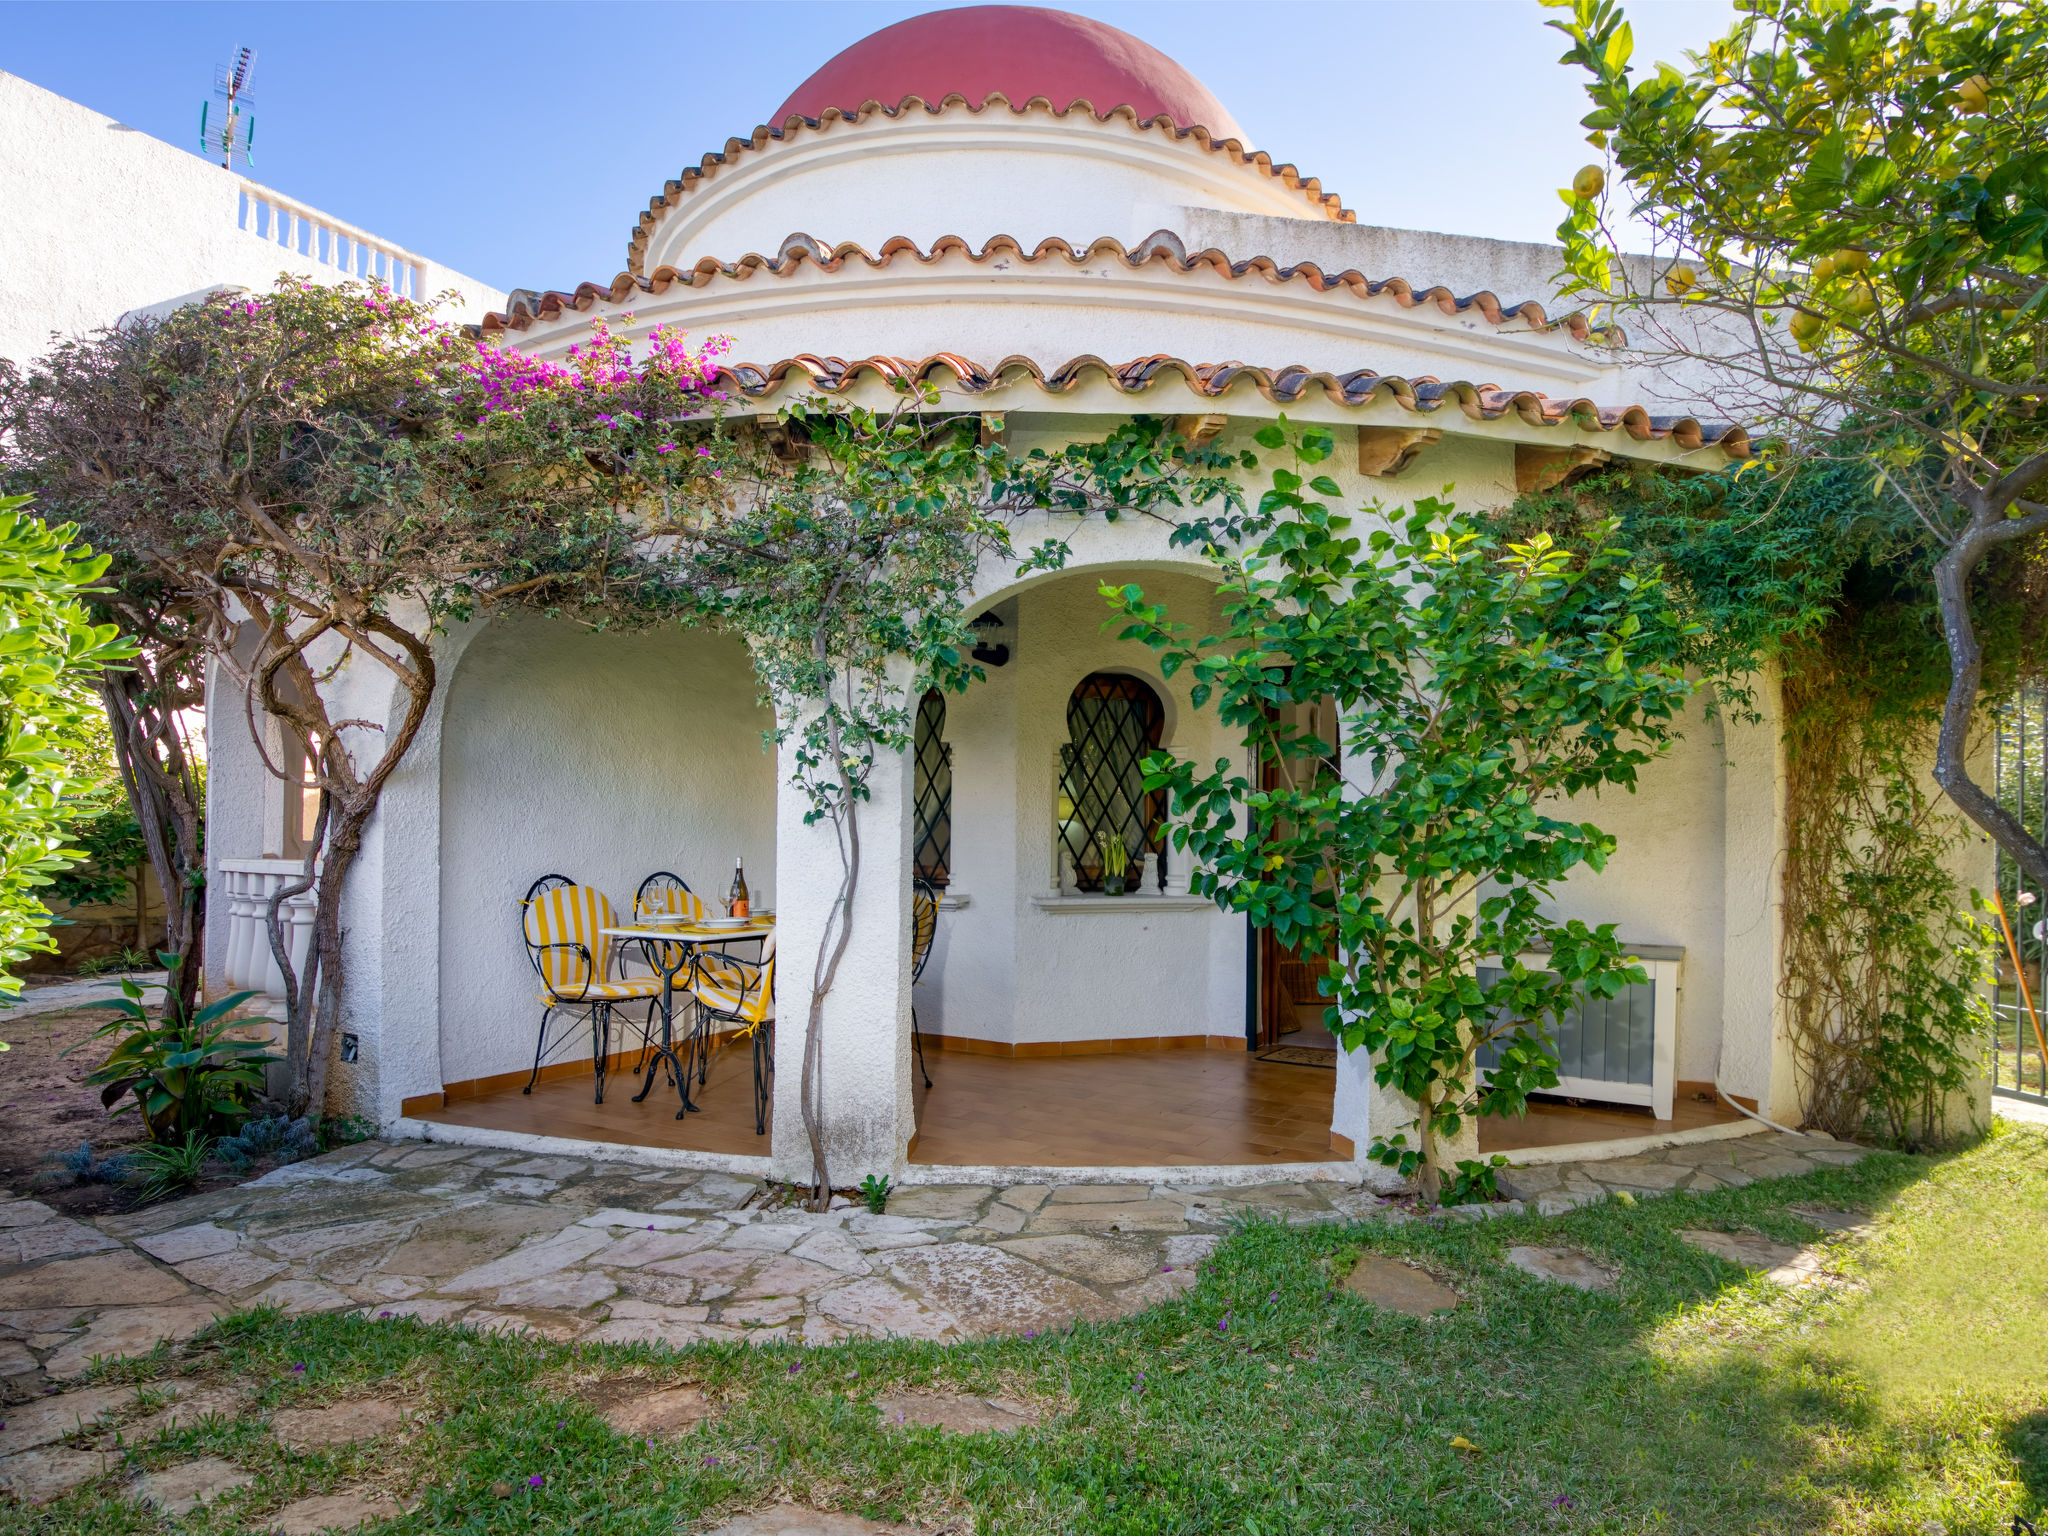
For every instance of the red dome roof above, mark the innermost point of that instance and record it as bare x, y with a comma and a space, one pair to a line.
1019, 50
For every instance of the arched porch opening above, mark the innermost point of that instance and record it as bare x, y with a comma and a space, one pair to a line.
604, 757
1081, 1009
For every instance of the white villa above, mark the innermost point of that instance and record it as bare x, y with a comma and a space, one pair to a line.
1060, 227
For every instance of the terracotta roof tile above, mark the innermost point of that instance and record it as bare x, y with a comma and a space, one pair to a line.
1328, 203
1283, 386
526, 305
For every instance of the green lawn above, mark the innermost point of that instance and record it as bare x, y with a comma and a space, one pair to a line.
1691, 1399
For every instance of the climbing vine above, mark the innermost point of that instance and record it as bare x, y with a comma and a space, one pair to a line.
1881, 956
1817, 574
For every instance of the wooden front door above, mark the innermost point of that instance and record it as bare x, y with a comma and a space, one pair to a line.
1283, 982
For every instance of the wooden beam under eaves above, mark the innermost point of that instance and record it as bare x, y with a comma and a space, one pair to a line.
788, 441
1200, 430
1384, 451
1539, 468
992, 428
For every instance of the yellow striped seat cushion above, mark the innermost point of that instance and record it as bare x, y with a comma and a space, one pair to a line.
605, 991
748, 1000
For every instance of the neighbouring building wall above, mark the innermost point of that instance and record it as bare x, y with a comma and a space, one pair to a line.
101, 219
600, 756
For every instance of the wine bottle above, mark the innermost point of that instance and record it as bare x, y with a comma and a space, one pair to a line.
736, 899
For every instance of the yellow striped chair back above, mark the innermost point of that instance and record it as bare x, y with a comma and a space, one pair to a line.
670, 901
738, 989
673, 902
569, 914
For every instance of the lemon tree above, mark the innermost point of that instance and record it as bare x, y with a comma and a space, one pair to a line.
1850, 203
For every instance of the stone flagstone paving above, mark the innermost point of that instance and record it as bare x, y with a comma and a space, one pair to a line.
570, 1248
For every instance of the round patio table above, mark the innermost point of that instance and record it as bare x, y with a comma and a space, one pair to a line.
658, 940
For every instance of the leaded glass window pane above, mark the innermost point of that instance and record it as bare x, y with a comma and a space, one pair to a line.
1112, 722
932, 792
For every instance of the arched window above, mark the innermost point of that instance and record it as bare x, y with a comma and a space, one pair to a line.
1111, 831
931, 849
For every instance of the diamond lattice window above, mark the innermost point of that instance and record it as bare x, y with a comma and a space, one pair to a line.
1112, 722
932, 792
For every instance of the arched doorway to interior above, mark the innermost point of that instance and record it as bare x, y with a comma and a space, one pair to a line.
1082, 1008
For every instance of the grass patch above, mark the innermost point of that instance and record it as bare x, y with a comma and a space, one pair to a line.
1689, 1399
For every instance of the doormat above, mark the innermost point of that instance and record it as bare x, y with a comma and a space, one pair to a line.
1301, 1056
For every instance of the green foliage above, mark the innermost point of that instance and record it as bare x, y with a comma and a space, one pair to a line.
1474, 1179
82, 1165
1821, 574
186, 1077
1756, 563
345, 1130
1868, 181
279, 1138
166, 1167
1474, 681
50, 652
127, 960
1884, 964
111, 841
1850, 202
874, 1190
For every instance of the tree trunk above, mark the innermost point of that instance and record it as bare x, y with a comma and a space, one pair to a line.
165, 801
1429, 1178
831, 946
1986, 529
341, 856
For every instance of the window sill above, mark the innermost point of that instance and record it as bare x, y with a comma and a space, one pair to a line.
1100, 906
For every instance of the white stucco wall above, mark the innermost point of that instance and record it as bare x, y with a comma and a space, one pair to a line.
1664, 884
987, 308
601, 756
101, 219
1032, 176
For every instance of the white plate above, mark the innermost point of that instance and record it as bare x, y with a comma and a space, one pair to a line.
727, 922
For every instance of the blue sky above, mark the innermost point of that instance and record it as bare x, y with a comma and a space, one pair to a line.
518, 142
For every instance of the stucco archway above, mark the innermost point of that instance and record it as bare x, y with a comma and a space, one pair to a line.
601, 756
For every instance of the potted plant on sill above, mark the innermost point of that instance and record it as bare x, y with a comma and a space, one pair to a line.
1116, 862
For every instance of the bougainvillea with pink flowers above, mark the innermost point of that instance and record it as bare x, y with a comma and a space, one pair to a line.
323, 475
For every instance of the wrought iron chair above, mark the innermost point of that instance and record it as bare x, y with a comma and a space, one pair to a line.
667, 895
924, 927
563, 926
544, 883
661, 895
741, 993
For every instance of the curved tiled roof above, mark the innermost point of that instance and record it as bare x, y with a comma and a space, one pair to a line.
1282, 386
528, 306
1331, 205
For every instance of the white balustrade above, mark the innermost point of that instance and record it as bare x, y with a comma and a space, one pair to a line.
250, 884
328, 241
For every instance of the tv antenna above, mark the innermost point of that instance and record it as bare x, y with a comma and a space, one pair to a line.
230, 129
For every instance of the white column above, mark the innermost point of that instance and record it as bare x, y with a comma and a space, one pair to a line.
867, 1112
